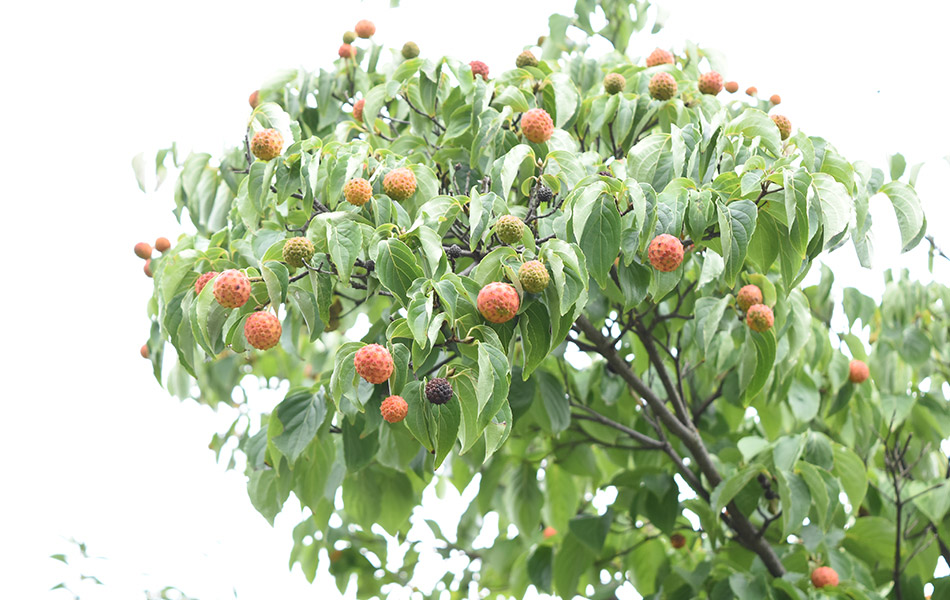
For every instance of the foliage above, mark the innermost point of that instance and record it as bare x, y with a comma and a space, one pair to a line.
622, 405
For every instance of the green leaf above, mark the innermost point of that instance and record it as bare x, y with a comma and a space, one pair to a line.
557, 407
445, 420
600, 240
853, 475
541, 568
276, 278
523, 498
754, 123
732, 485
397, 268
592, 531
345, 240
268, 492
300, 413
535, 325
570, 561
492, 386
910, 214
736, 225
359, 448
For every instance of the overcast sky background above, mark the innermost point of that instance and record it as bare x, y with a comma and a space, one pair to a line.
93, 447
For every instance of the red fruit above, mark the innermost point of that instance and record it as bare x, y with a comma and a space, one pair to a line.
747, 296
144, 351
824, 576
659, 57
358, 191
262, 330
710, 83
662, 86
775, 99
373, 363
759, 318
203, 281
677, 540
783, 124
143, 250
858, 371
365, 29
394, 409
665, 253
479, 68
358, 109
751, 91
399, 184
162, 245
254, 99
732, 87
232, 288
537, 126
267, 144
498, 302
549, 532
148, 267
347, 51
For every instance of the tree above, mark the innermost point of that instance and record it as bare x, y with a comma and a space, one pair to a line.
732, 444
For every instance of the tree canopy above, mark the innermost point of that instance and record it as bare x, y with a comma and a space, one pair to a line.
655, 399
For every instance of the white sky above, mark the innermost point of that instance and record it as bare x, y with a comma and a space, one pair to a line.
93, 447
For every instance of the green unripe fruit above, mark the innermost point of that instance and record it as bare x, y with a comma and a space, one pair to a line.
509, 229
349, 37
410, 50
526, 59
297, 251
614, 83
533, 276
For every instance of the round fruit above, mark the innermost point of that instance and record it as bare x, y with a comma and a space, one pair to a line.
347, 51
858, 371
203, 281
357, 191
399, 184
144, 351
148, 267
614, 83
479, 68
358, 109
498, 302
349, 37
751, 91
775, 99
410, 50
710, 83
143, 250
537, 126
662, 86
659, 57
533, 276
394, 409
677, 540
454, 251
526, 59
509, 229
297, 251
549, 532
732, 87
373, 363
747, 296
438, 390
262, 330
824, 576
162, 245
665, 253
543, 193
759, 318
267, 144
232, 288
783, 124
365, 29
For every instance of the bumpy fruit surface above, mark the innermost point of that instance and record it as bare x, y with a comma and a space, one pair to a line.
549, 532
537, 126
509, 229
162, 245
267, 144
775, 99
659, 57
144, 351
751, 91
614, 83
410, 50
297, 251
373, 363
732, 87
143, 250
710, 83
543, 193
747, 296
357, 191
262, 330
358, 109
498, 302
783, 124
365, 29
399, 184
858, 371
662, 86
526, 59
824, 576
479, 68
347, 51
148, 267
677, 540
533, 276
759, 318
394, 409
665, 253
232, 288
438, 390
349, 37
203, 281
